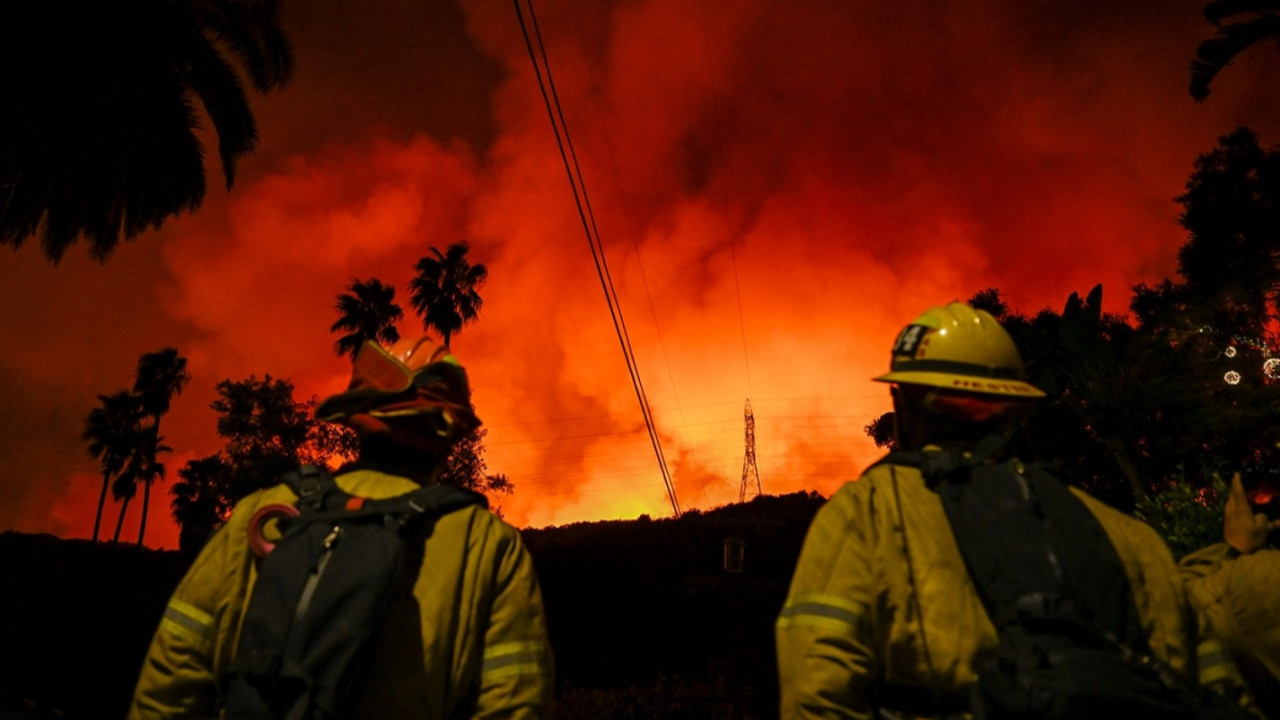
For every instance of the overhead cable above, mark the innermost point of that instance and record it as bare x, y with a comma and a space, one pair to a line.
576, 183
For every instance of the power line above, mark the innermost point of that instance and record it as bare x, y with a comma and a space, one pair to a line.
635, 245
585, 214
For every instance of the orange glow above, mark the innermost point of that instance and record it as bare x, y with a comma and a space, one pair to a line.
779, 187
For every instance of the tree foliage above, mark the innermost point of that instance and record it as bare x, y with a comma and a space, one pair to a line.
1146, 413
99, 134
881, 430
266, 433
445, 292
1187, 516
367, 311
466, 468
260, 421
124, 433
111, 430
160, 376
143, 467
200, 502
1232, 39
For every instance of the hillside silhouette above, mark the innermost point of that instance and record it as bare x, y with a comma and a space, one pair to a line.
645, 621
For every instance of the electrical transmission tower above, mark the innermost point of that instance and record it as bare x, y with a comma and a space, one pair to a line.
750, 473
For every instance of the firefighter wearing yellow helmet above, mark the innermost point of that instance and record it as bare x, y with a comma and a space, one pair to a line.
882, 615
470, 642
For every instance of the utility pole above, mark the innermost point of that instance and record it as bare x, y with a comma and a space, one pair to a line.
750, 473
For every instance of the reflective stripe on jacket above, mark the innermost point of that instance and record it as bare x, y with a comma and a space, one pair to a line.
851, 622
473, 645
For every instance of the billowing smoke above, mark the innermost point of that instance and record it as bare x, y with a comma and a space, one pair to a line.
778, 188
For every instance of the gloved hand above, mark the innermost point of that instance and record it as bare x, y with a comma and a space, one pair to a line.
1242, 528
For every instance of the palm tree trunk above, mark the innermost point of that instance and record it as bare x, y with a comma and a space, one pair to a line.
146, 501
102, 502
120, 521
146, 496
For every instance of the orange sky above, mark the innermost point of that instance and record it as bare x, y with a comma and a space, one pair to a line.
778, 186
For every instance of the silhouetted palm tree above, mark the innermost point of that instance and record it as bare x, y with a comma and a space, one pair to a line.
143, 467
444, 292
111, 430
160, 376
368, 311
201, 500
1216, 52
98, 136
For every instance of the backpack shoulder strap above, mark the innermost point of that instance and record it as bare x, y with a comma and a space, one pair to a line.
312, 484
398, 512
942, 462
1048, 558
431, 501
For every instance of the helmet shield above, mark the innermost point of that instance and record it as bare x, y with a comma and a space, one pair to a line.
956, 347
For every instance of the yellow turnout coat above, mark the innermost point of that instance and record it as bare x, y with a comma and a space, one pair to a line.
472, 644
850, 623
1240, 596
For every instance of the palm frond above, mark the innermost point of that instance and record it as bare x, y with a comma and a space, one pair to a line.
251, 31
160, 375
367, 311
99, 140
215, 82
444, 292
1216, 52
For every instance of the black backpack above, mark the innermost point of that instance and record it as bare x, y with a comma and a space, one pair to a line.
1071, 642
321, 594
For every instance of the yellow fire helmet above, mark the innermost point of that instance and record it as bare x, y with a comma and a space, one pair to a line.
956, 347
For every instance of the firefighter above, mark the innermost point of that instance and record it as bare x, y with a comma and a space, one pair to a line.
882, 616
474, 643
1236, 584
